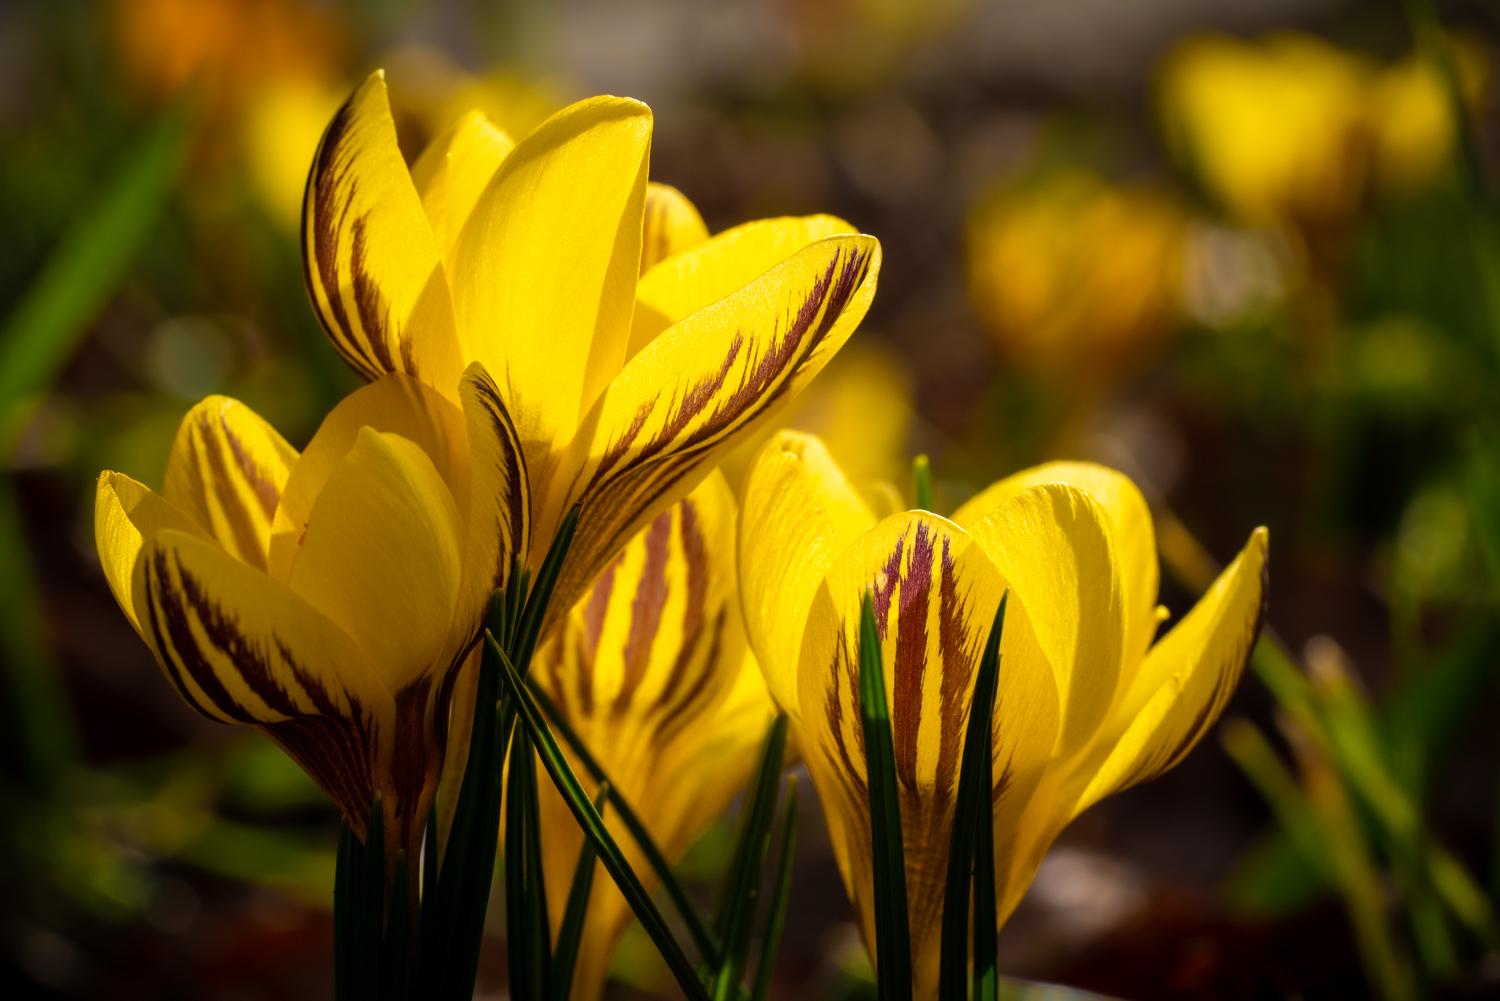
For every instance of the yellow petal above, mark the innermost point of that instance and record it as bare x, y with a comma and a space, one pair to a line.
125, 514
227, 469
799, 514
544, 272
1053, 543
1133, 531
1188, 677
702, 387
650, 669
393, 403
671, 225
935, 599
453, 172
383, 553
372, 268
720, 267
241, 647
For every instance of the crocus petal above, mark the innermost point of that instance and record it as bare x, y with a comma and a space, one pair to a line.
671, 225
372, 268
1054, 544
241, 647
650, 669
382, 555
453, 172
702, 387
126, 513
395, 403
799, 514
1188, 677
227, 470
1133, 531
544, 272
720, 267
935, 599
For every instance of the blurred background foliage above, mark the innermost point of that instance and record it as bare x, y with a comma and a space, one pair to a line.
1246, 252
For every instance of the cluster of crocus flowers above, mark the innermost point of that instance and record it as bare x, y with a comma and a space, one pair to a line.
1289, 131
1087, 705
652, 671
1076, 279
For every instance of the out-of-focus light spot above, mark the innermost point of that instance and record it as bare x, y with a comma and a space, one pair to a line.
189, 357
1231, 276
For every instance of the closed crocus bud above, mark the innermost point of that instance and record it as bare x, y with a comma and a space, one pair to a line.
1075, 278
326, 597
1088, 704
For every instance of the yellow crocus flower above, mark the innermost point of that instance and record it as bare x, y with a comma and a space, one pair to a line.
625, 388
1088, 705
652, 670
326, 597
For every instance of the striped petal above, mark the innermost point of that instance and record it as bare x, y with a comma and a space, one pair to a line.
720, 267
242, 648
1188, 677
372, 268
544, 272
126, 513
453, 172
670, 226
702, 387
227, 469
394, 403
382, 555
799, 514
650, 669
1131, 525
1054, 544
935, 598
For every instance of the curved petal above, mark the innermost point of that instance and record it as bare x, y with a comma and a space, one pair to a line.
670, 226
1054, 545
935, 599
1133, 530
241, 647
371, 266
544, 272
394, 403
227, 469
720, 267
126, 513
699, 389
1188, 677
799, 514
382, 555
453, 172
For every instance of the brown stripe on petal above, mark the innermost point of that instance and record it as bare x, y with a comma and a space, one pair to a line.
408, 768
645, 611
911, 655
374, 311
957, 650
338, 753
241, 521
678, 716
262, 486
514, 503
595, 614
841, 673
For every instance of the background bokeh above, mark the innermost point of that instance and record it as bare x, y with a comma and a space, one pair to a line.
1245, 251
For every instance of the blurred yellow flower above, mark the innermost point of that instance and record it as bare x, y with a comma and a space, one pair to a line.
325, 598
1088, 704
282, 125
1076, 279
626, 388
857, 43
1412, 119
652, 670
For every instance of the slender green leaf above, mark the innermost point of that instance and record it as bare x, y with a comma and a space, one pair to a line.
530, 625
46, 325
588, 818
393, 978
922, 473
892, 928
539, 942
770, 939
571, 933
430, 856
345, 896
369, 908
706, 940
986, 921
517, 928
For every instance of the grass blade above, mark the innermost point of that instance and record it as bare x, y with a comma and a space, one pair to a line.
571, 933
397, 936
345, 894
986, 923
742, 889
706, 940
530, 624
972, 795
892, 930
369, 909
429, 858
518, 930
593, 826
922, 473
539, 941
771, 939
